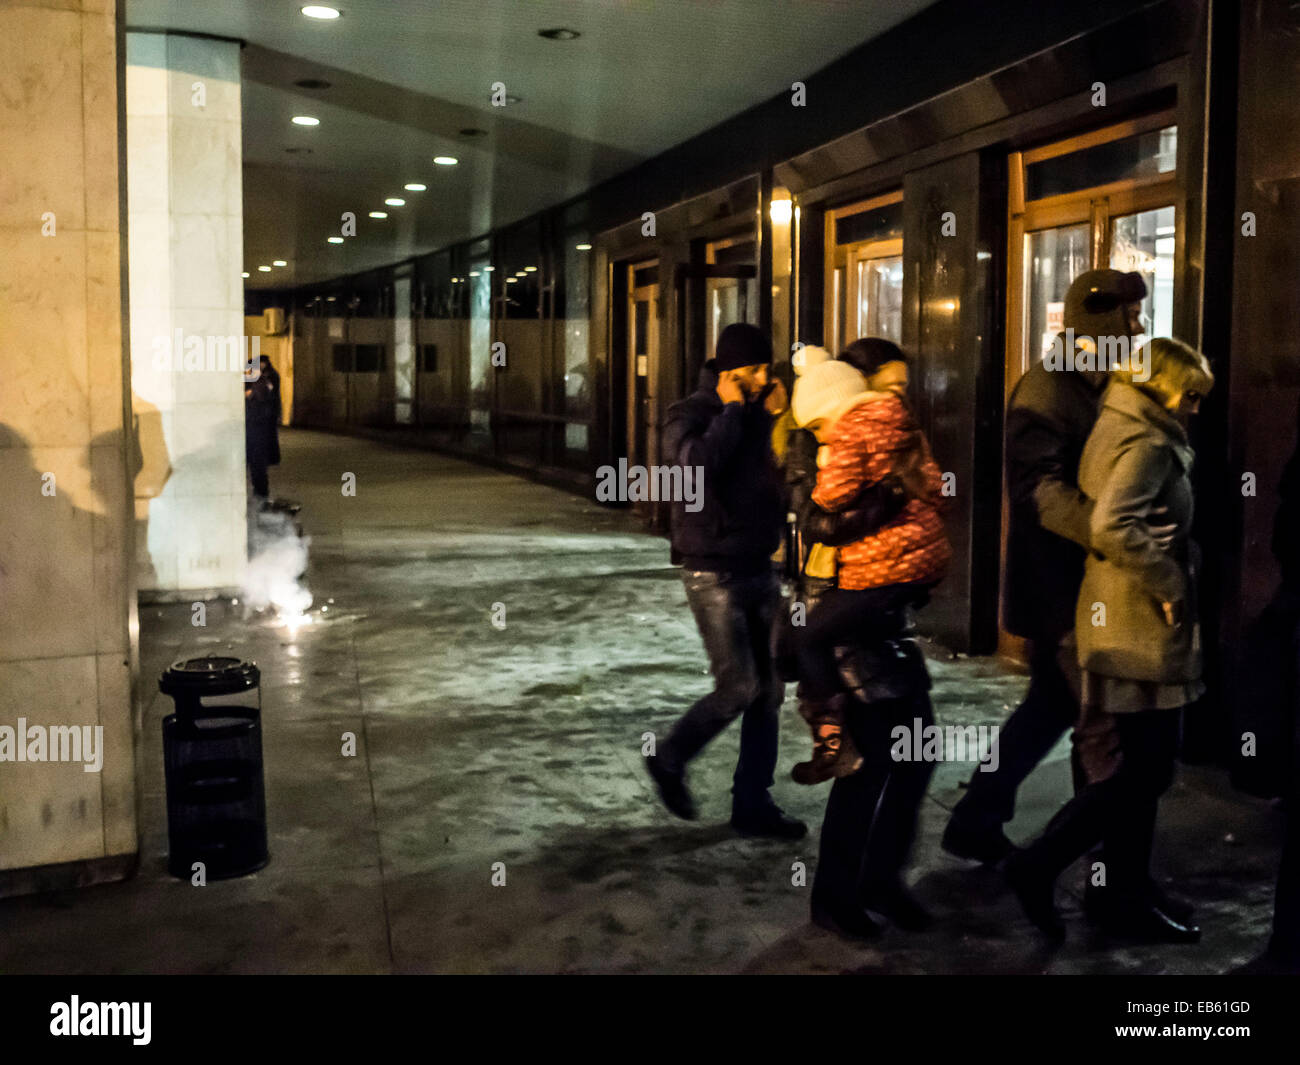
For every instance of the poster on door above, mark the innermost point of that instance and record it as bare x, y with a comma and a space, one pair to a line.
1055, 324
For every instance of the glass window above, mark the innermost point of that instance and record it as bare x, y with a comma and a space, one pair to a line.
574, 299
1054, 258
727, 300
880, 298
480, 352
880, 223
1145, 155
1145, 242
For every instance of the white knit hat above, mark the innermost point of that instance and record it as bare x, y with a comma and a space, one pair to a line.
808, 356
824, 390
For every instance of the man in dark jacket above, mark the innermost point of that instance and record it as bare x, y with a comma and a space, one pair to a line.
261, 427
1049, 416
725, 548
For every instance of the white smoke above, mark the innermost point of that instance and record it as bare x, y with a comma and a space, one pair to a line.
277, 561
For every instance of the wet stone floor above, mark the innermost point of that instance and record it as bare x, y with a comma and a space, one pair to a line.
519, 743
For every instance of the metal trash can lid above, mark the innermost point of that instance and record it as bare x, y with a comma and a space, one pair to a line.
210, 675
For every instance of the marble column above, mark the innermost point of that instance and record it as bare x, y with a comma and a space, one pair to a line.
67, 622
186, 252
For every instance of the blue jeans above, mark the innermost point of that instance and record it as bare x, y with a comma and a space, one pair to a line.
735, 616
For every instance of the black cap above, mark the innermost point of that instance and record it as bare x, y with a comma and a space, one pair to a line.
742, 344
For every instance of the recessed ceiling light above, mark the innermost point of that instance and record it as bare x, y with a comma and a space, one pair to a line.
305, 120
445, 160
414, 186
488, 269
335, 240
245, 274
530, 269
511, 280
312, 83
264, 269
560, 34
583, 247
378, 214
278, 262
394, 201
473, 273
455, 280
320, 11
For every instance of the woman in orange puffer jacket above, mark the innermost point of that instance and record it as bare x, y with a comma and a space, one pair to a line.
869, 435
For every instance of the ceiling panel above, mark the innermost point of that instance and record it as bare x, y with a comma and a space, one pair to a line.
407, 75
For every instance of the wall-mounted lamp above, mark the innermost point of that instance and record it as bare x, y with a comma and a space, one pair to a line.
781, 208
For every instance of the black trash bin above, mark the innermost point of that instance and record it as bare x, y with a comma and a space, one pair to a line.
212, 754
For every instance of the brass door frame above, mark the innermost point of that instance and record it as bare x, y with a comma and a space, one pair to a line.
641, 408
838, 288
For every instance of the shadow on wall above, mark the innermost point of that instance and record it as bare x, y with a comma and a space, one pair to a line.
150, 468
58, 522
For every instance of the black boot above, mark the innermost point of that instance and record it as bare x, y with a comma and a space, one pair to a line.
847, 921
1035, 887
895, 901
672, 788
766, 820
1143, 923
987, 845
1095, 904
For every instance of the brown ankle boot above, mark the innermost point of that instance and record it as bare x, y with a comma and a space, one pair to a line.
834, 754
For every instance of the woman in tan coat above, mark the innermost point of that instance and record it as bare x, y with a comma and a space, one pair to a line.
1138, 644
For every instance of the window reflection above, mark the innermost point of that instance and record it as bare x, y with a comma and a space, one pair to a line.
1055, 258
1145, 242
880, 302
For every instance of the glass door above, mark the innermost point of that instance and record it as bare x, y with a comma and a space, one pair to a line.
1104, 198
875, 273
864, 271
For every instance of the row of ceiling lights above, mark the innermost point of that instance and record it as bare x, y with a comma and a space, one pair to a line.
518, 273
324, 13
328, 14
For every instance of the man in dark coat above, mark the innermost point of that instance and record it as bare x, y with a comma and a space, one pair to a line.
1049, 416
725, 546
261, 426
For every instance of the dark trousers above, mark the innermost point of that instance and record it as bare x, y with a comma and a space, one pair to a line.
1050, 707
871, 816
845, 616
1120, 808
735, 616
261, 484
